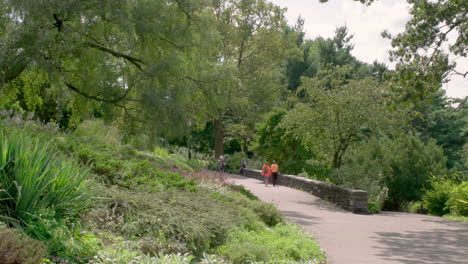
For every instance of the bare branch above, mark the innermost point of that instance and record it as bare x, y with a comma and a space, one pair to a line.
460, 73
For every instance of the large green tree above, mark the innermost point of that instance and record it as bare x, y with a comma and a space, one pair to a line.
134, 56
275, 143
254, 40
337, 111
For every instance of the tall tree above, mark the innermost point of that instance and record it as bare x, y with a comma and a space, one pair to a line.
336, 111
129, 55
254, 40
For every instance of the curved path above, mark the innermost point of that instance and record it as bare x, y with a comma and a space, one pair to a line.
349, 238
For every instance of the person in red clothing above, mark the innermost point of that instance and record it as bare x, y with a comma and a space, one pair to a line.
266, 172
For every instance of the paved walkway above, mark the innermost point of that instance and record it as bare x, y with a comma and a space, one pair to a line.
349, 238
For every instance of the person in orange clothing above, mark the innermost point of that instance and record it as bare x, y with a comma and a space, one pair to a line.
266, 172
274, 173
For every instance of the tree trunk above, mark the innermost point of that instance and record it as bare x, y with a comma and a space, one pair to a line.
336, 159
219, 138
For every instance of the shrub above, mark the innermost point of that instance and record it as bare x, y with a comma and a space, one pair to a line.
234, 161
403, 165
34, 178
411, 164
95, 132
435, 199
71, 244
416, 207
457, 218
280, 243
17, 248
266, 212
458, 201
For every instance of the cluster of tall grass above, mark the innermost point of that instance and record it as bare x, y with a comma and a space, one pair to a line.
35, 179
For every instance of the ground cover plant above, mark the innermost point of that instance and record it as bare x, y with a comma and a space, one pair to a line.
283, 242
17, 248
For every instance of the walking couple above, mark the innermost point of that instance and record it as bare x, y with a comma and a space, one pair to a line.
268, 172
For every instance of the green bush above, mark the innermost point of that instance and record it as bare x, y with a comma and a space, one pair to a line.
457, 218
280, 243
458, 201
70, 243
393, 172
234, 161
266, 212
95, 132
410, 167
435, 199
33, 178
17, 248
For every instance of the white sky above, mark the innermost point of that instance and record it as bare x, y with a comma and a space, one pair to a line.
367, 24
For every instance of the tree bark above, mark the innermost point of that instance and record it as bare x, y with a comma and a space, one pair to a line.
219, 138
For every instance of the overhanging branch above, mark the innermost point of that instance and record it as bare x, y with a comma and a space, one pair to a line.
97, 98
135, 61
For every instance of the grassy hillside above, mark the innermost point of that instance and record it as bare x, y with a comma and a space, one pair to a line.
86, 198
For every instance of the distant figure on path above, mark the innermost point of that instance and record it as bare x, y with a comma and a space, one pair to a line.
266, 172
242, 167
220, 166
274, 173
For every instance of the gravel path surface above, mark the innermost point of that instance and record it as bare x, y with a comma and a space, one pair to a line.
349, 238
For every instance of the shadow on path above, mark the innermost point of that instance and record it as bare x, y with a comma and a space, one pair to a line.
324, 205
301, 219
439, 246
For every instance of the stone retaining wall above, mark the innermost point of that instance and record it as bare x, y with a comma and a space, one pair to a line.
349, 199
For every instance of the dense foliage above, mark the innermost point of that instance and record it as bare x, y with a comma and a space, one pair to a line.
138, 95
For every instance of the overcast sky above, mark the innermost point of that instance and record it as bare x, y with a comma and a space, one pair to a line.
366, 23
